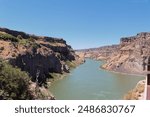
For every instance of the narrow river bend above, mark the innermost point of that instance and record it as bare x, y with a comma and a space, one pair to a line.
89, 82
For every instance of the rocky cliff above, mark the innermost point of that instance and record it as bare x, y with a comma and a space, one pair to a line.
39, 56
101, 53
132, 56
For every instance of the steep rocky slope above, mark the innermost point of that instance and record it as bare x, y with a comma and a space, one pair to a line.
132, 56
39, 56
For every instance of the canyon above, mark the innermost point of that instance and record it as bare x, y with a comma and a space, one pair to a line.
46, 59
130, 57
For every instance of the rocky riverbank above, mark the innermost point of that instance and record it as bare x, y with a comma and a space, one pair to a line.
137, 93
130, 56
39, 56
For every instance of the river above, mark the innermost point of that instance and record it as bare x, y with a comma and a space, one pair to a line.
89, 82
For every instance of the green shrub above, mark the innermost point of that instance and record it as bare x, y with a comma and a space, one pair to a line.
71, 64
14, 84
31, 39
5, 36
19, 37
26, 42
23, 42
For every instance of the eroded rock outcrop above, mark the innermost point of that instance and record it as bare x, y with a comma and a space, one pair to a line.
132, 55
39, 56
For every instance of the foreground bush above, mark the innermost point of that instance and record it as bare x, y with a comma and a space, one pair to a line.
13, 83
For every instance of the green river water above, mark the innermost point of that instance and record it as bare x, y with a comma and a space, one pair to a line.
89, 82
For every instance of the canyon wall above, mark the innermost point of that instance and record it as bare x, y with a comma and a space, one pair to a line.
100, 53
39, 56
132, 56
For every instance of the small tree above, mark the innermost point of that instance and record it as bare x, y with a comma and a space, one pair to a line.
19, 37
13, 83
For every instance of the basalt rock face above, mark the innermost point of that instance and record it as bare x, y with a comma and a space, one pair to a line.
37, 55
132, 56
43, 60
38, 66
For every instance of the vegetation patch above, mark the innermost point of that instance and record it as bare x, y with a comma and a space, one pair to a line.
54, 76
14, 84
6, 37
23, 42
71, 64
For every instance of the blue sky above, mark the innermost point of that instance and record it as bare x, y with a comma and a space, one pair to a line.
82, 23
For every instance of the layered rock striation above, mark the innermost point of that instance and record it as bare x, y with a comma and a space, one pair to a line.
39, 56
132, 56
101, 53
